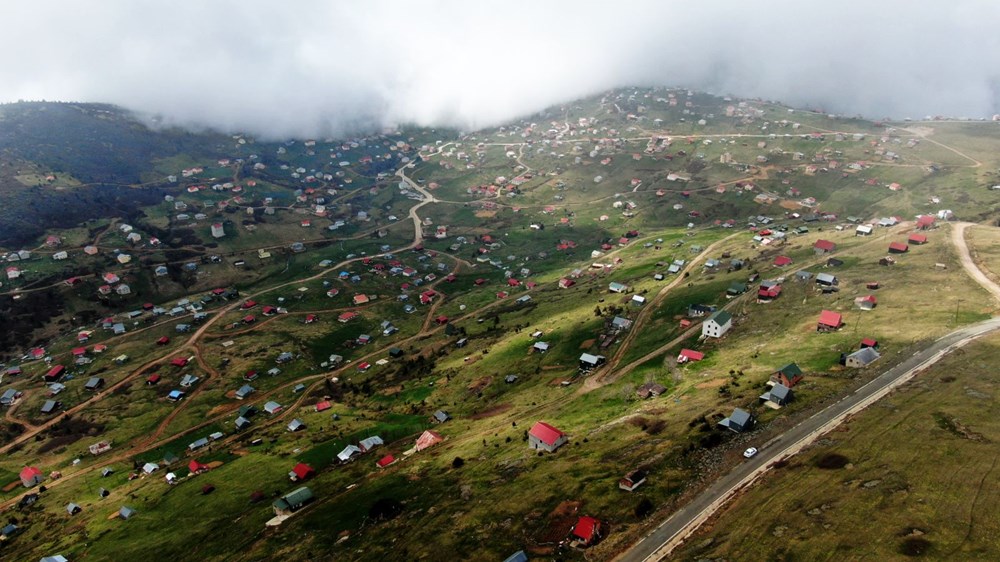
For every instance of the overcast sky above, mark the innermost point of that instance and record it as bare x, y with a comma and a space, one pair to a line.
312, 68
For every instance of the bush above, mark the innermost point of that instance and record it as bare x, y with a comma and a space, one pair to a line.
459, 462
644, 508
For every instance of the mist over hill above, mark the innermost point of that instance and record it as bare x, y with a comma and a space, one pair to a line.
329, 69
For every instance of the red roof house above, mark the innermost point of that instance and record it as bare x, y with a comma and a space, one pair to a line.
782, 261
689, 355
829, 320
153, 379
925, 221
513, 282
587, 530
440, 320
54, 373
385, 461
428, 439
545, 437
898, 248
31, 476
868, 342
179, 361
917, 239
163, 341
195, 467
323, 406
824, 246
301, 472
347, 317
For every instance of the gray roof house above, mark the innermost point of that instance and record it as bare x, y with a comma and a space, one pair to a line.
862, 357
739, 421
441, 416
778, 395
826, 279
244, 391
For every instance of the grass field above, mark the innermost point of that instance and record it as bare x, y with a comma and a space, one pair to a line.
909, 477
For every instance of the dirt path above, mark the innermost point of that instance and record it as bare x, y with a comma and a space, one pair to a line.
977, 274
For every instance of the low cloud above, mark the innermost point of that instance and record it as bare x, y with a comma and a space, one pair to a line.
315, 68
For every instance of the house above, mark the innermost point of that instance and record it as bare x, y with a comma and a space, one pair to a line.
687, 355
621, 324
300, 472
925, 222
50, 406
829, 321
126, 512
588, 361
782, 261
272, 407
348, 453
9, 397
292, 501
823, 247
868, 342
545, 437
650, 390
242, 423
716, 325
31, 476
862, 358
739, 421
826, 279
632, 480
638, 300
441, 416
863, 230
385, 461
587, 531
540, 346
94, 383
244, 391
565, 283
195, 467
323, 406
917, 239
867, 302
369, 443
428, 439
150, 467
54, 558
73, 509
198, 444
788, 376
175, 395
736, 289
898, 248
54, 374
188, 381
778, 395
617, 287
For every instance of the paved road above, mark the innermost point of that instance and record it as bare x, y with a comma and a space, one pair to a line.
659, 543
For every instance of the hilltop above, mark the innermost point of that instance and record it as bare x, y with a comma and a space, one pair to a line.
220, 320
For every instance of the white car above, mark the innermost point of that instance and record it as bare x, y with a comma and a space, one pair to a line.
750, 452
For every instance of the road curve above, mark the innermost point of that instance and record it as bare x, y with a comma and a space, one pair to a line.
662, 540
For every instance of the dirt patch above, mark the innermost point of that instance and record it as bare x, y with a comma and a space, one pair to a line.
490, 412
214, 464
218, 410
479, 385
11, 486
485, 214
558, 381
587, 344
790, 205
560, 522
711, 384
240, 452
391, 390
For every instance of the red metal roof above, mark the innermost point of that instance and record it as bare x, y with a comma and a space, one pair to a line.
825, 245
898, 247
782, 260
586, 528
303, 471
692, 355
546, 433
830, 318
386, 461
